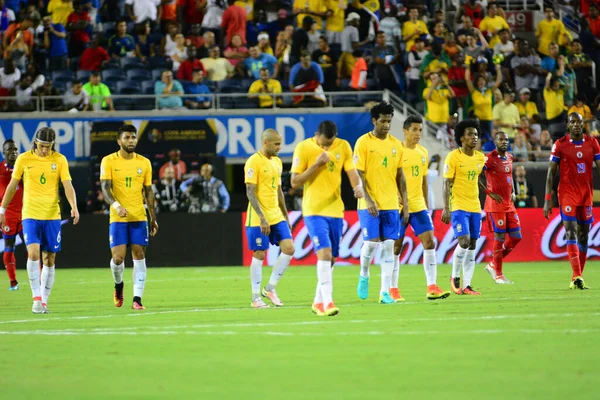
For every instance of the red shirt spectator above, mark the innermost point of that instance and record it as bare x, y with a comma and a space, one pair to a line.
187, 68
169, 10
93, 58
79, 35
193, 10
234, 22
10, 33
457, 73
594, 20
178, 166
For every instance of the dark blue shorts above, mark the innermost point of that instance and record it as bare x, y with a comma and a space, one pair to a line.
258, 241
419, 221
325, 232
46, 233
128, 233
385, 226
466, 223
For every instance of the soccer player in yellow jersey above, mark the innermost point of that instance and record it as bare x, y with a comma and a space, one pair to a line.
378, 159
41, 170
415, 160
267, 218
317, 166
462, 168
126, 180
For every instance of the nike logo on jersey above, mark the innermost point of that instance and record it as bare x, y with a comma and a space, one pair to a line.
117, 170
56, 247
28, 167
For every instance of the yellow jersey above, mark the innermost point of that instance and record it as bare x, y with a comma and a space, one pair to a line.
257, 87
529, 109
409, 28
548, 32
128, 180
482, 104
323, 192
555, 103
464, 194
40, 176
438, 105
313, 5
379, 160
265, 173
248, 6
335, 22
492, 26
414, 165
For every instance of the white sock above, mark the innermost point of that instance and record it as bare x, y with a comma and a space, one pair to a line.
33, 270
430, 266
367, 252
468, 268
326, 281
387, 265
396, 272
458, 261
47, 282
117, 271
282, 263
139, 277
256, 276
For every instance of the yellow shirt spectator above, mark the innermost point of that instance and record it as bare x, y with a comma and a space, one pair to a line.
438, 105
371, 5
409, 28
482, 104
316, 6
584, 111
492, 25
247, 5
60, 11
555, 102
529, 109
548, 32
507, 114
259, 86
335, 22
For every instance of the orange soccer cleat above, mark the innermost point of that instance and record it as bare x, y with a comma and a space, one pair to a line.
469, 291
434, 292
118, 295
137, 306
455, 285
395, 294
331, 310
318, 309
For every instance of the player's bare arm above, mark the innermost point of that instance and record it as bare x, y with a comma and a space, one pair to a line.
9, 193
401, 184
371, 206
298, 180
356, 183
447, 188
549, 185
109, 198
149, 196
282, 207
482, 186
72, 199
253, 200
425, 188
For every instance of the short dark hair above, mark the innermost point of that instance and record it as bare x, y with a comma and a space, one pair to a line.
121, 20
459, 130
412, 119
324, 38
304, 53
264, 69
95, 73
490, 4
126, 128
45, 135
76, 82
499, 132
383, 108
575, 41
7, 141
328, 129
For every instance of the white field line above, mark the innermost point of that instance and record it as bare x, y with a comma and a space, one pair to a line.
247, 308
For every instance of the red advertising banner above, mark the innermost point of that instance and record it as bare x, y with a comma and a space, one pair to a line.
520, 21
542, 240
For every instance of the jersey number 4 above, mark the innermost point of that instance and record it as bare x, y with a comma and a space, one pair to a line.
384, 163
128, 181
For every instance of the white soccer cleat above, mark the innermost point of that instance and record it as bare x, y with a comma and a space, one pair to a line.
37, 307
259, 303
45, 309
501, 280
272, 296
490, 270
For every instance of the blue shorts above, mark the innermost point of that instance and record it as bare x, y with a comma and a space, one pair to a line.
258, 241
466, 223
419, 221
325, 232
46, 233
385, 226
128, 233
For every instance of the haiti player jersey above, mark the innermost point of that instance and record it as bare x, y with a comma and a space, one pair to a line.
575, 161
414, 166
16, 204
265, 173
379, 159
323, 192
498, 174
465, 170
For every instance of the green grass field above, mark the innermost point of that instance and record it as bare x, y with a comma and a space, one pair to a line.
199, 339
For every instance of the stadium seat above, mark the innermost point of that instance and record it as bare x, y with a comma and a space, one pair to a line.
82, 75
62, 74
158, 62
365, 98
211, 85
344, 84
246, 84
143, 104
138, 74
347, 100
122, 104
148, 87
372, 84
226, 103
128, 87
230, 87
131, 63
245, 103
74, 63
156, 73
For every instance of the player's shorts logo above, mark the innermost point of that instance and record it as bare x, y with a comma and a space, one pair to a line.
6, 228
588, 212
316, 240
459, 228
53, 167
516, 216
500, 222
568, 208
579, 154
365, 232
259, 241
110, 238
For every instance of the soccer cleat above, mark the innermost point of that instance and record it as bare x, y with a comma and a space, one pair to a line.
118, 294
385, 298
37, 307
434, 292
45, 309
259, 303
501, 280
395, 294
137, 306
331, 310
14, 287
491, 270
318, 309
363, 287
469, 291
578, 283
455, 285
272, 295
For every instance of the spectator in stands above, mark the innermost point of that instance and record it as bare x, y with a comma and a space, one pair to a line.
300, 39
438, 62
327, 59
213, 16
167, 192
194, 37
60, 11
390, 25
19, 52
234, 22
23, 92
438, 36
175, 162
439, 17
197, 86
473, 49
554, 96
23, 27
264, 44
144, 47
140, 11
179, 53
359, 73
582, 65
217, 68
471, 9
190, 12
350, 42
523, 190
169, 91
334, 22
191, 64
209, 43
413, 28
316, 9
524, 105
263, 87
521, 148
583, 110
467, 29
536, 129
446, 133
506, 114
505, 46
168, 43
9, 76
594, 20
413, 74
283, 49
255, 25
78, 24
55, 40
527, 66
168, 12
236, 52
7, 16
384, 58
95, 203
525, 127
482, 99
545, 145
450, 46
94, 58
49, 96
99, 94
549, 63
110, 10
566, 77
492, 24
549, 31
437, 96
433, 173
307, 77
208, 192
313, 38
121, 44
259, 60
75, 98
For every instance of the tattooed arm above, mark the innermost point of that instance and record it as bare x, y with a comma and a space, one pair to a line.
253, 200
109, 198
149, 195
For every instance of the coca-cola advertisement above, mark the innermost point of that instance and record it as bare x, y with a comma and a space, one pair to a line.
543, 240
